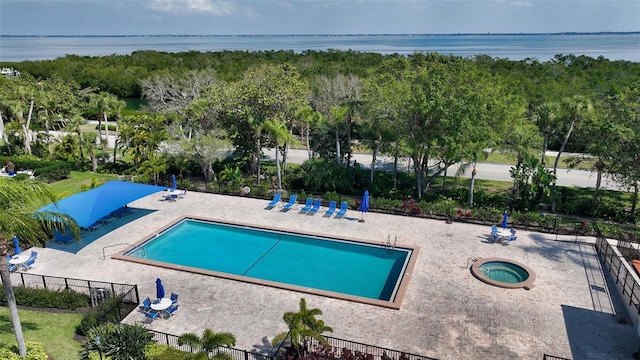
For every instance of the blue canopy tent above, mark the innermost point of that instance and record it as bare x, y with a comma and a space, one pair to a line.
86, 208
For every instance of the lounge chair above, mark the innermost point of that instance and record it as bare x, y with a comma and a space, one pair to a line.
292, 202
171, 310
315, 208
120, 212
174, 298
275, 201
93, 227
106, 219
307, 205
343, 209
62, 237
331, 209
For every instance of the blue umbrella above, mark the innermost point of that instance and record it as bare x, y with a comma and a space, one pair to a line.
159, 289
16, 245
174, 184
505, 218
364, 205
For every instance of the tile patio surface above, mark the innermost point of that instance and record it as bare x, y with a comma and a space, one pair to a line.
446, 312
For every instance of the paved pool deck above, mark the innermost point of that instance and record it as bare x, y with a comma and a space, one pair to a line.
446, 313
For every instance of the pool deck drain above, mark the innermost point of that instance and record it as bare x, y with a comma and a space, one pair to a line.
446, 313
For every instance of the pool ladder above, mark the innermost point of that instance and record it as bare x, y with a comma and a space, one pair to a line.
388, 245
140, 252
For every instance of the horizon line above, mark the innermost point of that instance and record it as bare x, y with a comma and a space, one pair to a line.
324, 34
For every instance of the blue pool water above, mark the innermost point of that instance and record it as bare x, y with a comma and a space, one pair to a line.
345, 267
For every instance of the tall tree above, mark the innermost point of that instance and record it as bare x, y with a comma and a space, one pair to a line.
17, 219
266, 92
279, 133
576, 107
338, 99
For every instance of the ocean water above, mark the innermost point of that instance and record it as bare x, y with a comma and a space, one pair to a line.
543, 47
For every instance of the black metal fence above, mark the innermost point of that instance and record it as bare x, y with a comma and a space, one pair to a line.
373, 352
614, 263
235, 354
97, 291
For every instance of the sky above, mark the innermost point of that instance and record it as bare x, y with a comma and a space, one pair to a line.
277, 17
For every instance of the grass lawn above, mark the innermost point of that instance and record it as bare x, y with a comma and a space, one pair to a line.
54, 330
77, 179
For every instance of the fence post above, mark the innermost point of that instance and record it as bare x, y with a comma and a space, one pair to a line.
246, 355
66, 284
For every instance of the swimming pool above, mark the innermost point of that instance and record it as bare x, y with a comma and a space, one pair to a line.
342, 268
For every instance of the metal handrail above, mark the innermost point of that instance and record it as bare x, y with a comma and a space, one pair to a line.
104, 256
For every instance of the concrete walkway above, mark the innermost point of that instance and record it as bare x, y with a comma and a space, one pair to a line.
446, 313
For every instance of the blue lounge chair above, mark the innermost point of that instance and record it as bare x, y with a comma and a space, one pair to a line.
174, 298
315, 208
331, 209
62, 236
171, 310
106, 219
275, 201
292, 202
307, 205
343, 209
120, 212
93, 227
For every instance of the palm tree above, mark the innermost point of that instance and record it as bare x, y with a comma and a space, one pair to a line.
302, 324
209, 342
280, 134
16, 219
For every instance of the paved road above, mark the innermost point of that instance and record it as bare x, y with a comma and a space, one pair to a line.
485, 171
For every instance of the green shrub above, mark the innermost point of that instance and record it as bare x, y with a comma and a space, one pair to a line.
46, 298
112, 127
116, 341
331, 196
107, 311
35, 351
54, 171
163, 352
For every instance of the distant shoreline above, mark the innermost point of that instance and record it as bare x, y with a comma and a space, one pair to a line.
328, 35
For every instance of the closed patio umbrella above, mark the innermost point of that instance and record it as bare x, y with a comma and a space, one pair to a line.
159, 289
16, 245
505, 220
364, 205
174, 184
